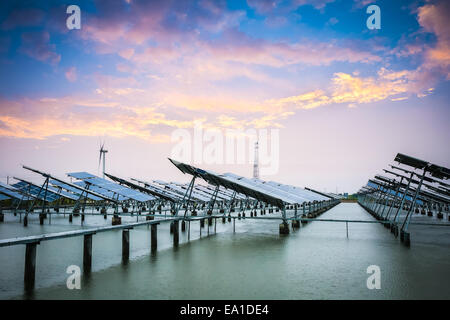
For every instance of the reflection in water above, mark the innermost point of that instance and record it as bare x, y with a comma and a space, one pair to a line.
317, 261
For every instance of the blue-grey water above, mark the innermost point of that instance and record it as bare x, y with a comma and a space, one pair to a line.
317, 261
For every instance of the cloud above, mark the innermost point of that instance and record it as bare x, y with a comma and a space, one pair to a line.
318, 4
241, 48
353, 90
434, 18
332, 21
262, 6
71, 74
73, 116
37, 45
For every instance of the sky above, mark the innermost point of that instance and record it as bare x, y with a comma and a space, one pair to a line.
343, 98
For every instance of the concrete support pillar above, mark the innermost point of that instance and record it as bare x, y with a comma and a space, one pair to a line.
405, 238
87, 253
189, 230
284, 228
154, 238
30, 266
116, 220
125, 245
176, 234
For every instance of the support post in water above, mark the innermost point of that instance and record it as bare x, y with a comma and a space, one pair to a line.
30, 265
87, 253
189, 230
154, 239
176, 229
234, 225
125, 245
346, 226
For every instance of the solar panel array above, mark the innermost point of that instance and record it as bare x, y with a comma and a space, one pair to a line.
255, 188
109, 188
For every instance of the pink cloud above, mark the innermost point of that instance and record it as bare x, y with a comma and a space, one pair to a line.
71, 74
434, 18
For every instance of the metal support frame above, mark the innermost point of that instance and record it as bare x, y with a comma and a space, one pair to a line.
403, 198
408, 215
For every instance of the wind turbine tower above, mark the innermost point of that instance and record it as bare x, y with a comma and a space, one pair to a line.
103, 152
256, 163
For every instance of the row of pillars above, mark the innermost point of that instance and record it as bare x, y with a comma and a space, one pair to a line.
30, 254
317, 210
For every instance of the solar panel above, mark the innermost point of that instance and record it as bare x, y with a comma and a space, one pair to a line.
74, 190
195, 195
81, 175
3, 197
122, 191
101, 191
410, 161
12, 192
135, 186
160, 191
220, 195
439, 172
305, 194
36, 191
375, 185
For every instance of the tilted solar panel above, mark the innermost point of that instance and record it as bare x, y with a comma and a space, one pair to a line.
112, 186
77, 192
102, 191
12, 192
35, 191
3, 197
81, 175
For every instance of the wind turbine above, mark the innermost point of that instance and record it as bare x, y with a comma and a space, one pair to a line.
103, 152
